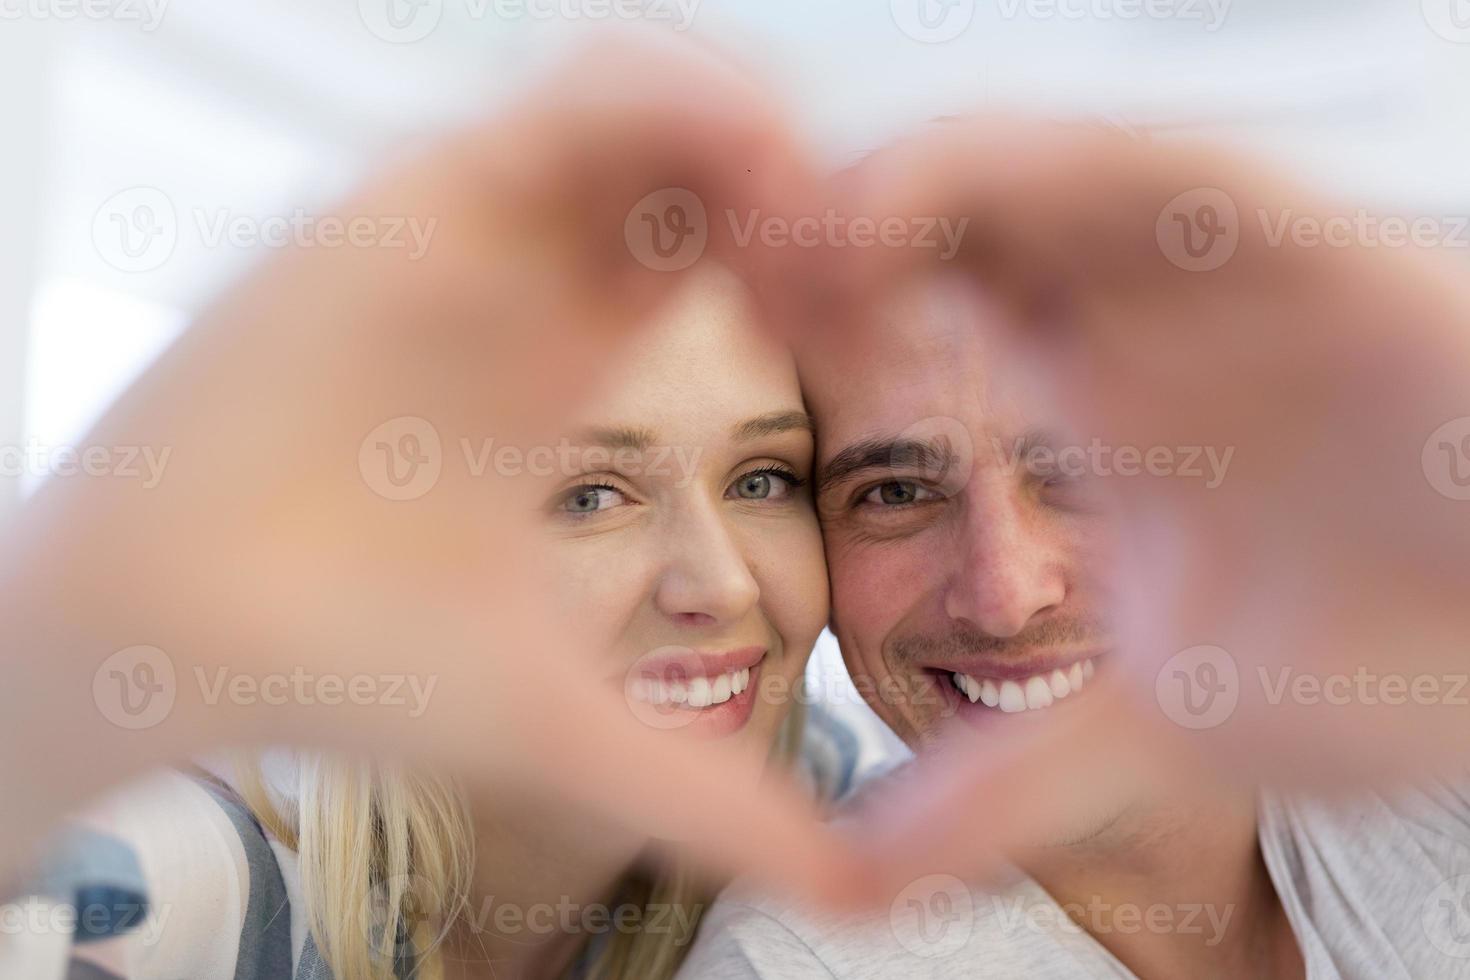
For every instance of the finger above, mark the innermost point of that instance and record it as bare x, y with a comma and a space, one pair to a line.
709, 799
643, 156
988, 794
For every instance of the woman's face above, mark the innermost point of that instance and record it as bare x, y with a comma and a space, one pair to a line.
683, 532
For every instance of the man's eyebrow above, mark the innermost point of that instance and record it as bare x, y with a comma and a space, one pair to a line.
617, 437
772, 423
885, 454
1032, 440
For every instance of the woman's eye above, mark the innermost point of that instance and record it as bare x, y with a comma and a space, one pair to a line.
896, 493
590, 500
763, 485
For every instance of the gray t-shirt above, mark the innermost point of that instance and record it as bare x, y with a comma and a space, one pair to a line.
1375, 890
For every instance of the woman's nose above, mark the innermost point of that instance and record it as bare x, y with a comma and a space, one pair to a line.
707, 578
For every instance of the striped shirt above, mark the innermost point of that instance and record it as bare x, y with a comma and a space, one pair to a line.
172, 878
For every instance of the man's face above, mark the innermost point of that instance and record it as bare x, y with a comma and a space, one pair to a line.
964, 570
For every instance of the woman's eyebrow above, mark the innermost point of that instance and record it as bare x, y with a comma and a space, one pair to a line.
772, 423
617, 437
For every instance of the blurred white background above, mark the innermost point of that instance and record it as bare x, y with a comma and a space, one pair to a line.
118, 112
257, 110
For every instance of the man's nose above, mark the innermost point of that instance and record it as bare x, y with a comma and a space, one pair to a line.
1007, 570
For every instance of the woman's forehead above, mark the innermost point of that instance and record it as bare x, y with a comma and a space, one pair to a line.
702, 363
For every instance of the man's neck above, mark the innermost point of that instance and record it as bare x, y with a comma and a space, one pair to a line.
1177, 888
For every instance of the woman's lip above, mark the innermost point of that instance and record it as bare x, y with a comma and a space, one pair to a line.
712, 721
683, 663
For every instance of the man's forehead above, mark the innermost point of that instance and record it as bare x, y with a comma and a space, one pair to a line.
925, 354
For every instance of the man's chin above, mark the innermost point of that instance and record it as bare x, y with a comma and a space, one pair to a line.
1086, 828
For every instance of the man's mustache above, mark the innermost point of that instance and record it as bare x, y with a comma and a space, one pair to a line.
1071, 631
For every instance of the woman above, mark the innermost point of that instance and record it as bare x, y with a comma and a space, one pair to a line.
680, 531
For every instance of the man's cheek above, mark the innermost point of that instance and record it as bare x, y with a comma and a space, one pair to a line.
864, 610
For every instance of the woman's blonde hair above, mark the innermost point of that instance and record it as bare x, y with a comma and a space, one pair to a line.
387, 857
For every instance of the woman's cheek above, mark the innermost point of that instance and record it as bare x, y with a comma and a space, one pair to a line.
792, 575
598, 587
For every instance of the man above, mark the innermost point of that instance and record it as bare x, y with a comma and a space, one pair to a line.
969, 554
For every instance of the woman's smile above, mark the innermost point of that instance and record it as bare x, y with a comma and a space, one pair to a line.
710, 693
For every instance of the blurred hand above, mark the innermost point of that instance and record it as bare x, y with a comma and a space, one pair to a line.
268, 548
271, 546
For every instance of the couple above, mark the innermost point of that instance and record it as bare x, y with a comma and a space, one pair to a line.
966, 584
964, 579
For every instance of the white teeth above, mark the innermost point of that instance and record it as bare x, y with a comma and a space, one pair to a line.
1025, 694
1060, 686
1011, 698
697, 692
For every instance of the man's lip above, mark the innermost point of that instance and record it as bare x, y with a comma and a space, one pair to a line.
688, 663
1012, 669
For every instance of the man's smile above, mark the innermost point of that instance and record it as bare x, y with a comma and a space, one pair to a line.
1017, 686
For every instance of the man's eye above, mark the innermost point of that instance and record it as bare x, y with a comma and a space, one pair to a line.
591, 499
1068, 492
1059, 479
897, 493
